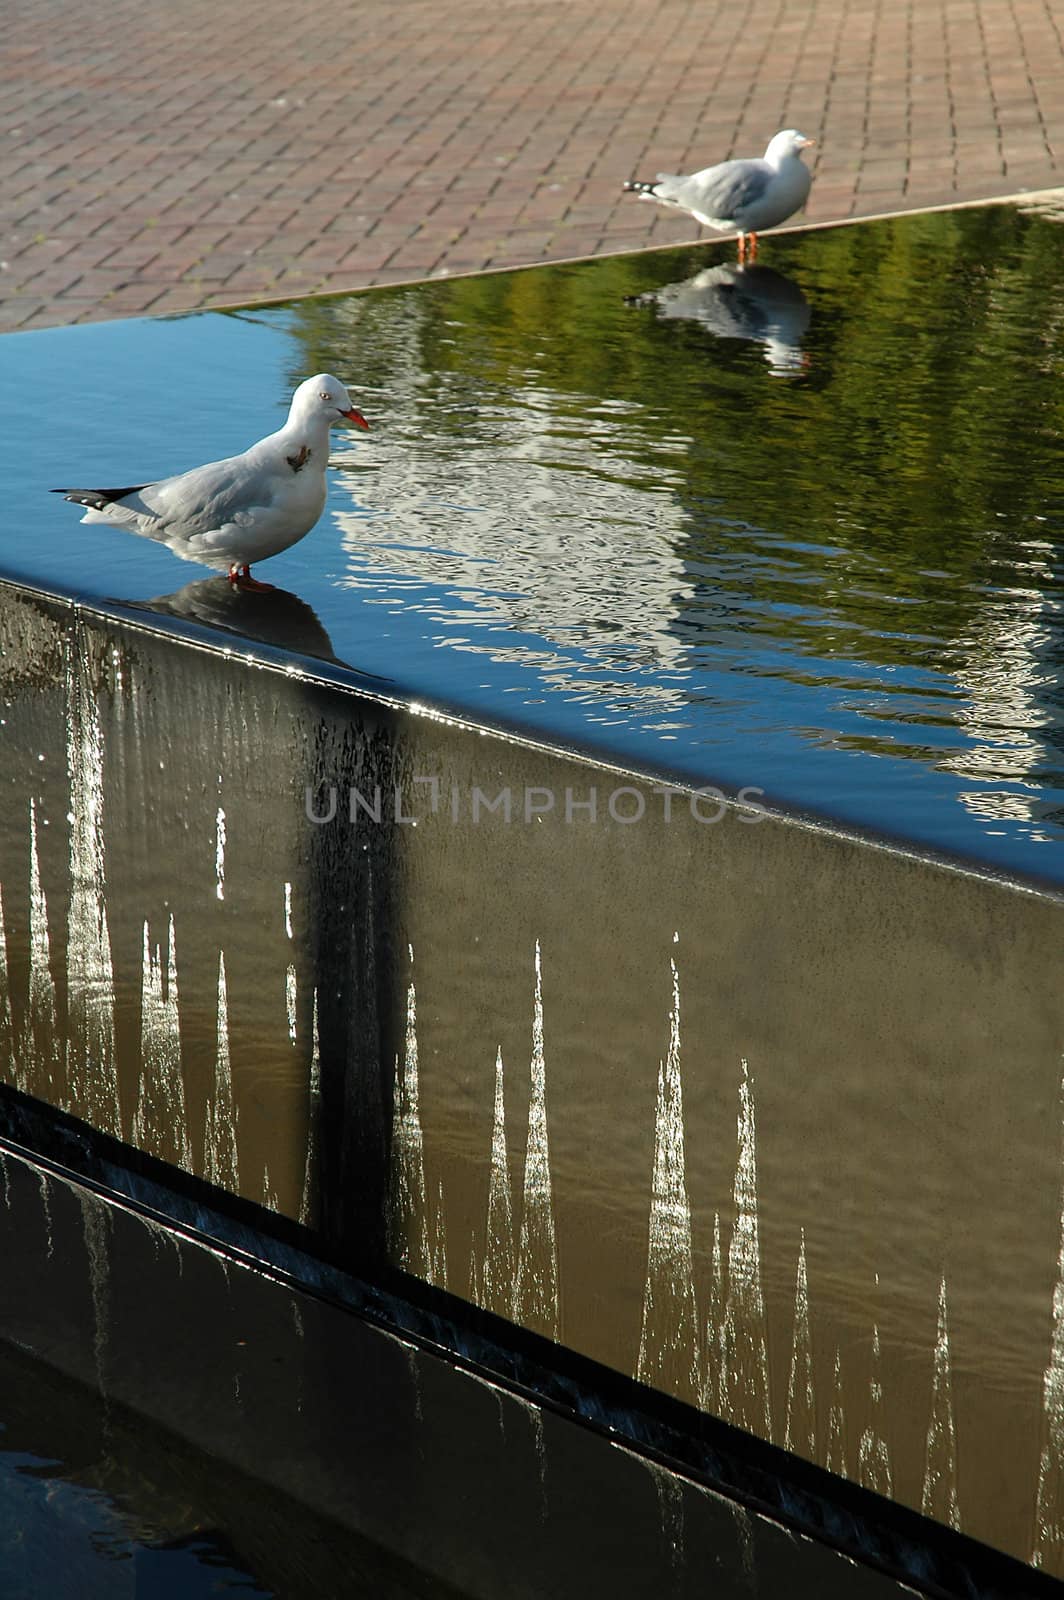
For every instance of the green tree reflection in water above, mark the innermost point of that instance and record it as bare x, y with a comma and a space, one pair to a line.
883, 521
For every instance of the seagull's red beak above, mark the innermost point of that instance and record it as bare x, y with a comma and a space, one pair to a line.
356, 417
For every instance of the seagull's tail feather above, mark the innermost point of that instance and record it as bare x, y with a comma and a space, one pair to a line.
666, 190
98, 499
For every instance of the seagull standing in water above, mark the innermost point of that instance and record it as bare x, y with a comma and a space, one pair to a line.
230, 513
749, 195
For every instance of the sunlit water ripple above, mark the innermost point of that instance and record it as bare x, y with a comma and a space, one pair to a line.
798, 530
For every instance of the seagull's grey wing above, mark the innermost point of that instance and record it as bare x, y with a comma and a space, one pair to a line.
221, 494
722, 191
207, 498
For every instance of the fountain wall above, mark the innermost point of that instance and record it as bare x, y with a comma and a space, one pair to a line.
759, 1115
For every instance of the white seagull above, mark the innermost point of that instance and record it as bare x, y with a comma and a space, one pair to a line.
747, 195
230, 513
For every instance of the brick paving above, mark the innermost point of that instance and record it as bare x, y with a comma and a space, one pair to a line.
160, 155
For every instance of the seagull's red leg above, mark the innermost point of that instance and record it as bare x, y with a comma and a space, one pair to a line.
240, 578
742, 248
753, 247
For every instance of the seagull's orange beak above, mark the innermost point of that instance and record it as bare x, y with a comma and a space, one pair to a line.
806, 143
356, 417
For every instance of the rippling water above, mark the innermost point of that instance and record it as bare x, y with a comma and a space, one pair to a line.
796, 527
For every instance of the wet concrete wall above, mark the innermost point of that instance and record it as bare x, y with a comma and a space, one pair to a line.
764, 1116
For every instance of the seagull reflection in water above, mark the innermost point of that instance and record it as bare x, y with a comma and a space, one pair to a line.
742, 302
273, 617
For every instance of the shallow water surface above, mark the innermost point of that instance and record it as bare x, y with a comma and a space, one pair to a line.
796, 527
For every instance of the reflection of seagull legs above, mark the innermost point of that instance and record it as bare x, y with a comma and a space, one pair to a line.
276, 618
240, 578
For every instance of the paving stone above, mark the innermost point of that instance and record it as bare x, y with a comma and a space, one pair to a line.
432, 137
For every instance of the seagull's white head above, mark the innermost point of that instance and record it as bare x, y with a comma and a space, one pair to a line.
788, 143
324, 398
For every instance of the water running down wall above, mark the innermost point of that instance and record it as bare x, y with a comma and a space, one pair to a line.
762, 1116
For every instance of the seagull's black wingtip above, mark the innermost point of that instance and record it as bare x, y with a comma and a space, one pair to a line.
99, 499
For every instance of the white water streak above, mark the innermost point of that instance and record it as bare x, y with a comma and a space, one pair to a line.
800, 1431
714, 1390
744, 1341
409, 1218
500, 1410
288, 909
290, 998
497, 1284
45, 1183
160, 1237
310, 1167
438, 1244
939, 1498
42, 1028
160, 1122
220, 1163
536, 1293
219, 854
539, 1444
873, 1456
668, 1342
90, 972
836, 1456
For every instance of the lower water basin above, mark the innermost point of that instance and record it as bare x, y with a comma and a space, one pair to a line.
100, 1504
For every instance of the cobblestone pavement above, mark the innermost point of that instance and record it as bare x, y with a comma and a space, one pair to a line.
162, 156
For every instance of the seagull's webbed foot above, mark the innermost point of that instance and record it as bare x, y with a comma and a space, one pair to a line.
240, 578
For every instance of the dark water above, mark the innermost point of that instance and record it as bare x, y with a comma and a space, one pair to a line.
102, 1505
798, 528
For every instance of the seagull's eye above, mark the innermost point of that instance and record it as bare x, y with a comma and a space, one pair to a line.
325, 395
